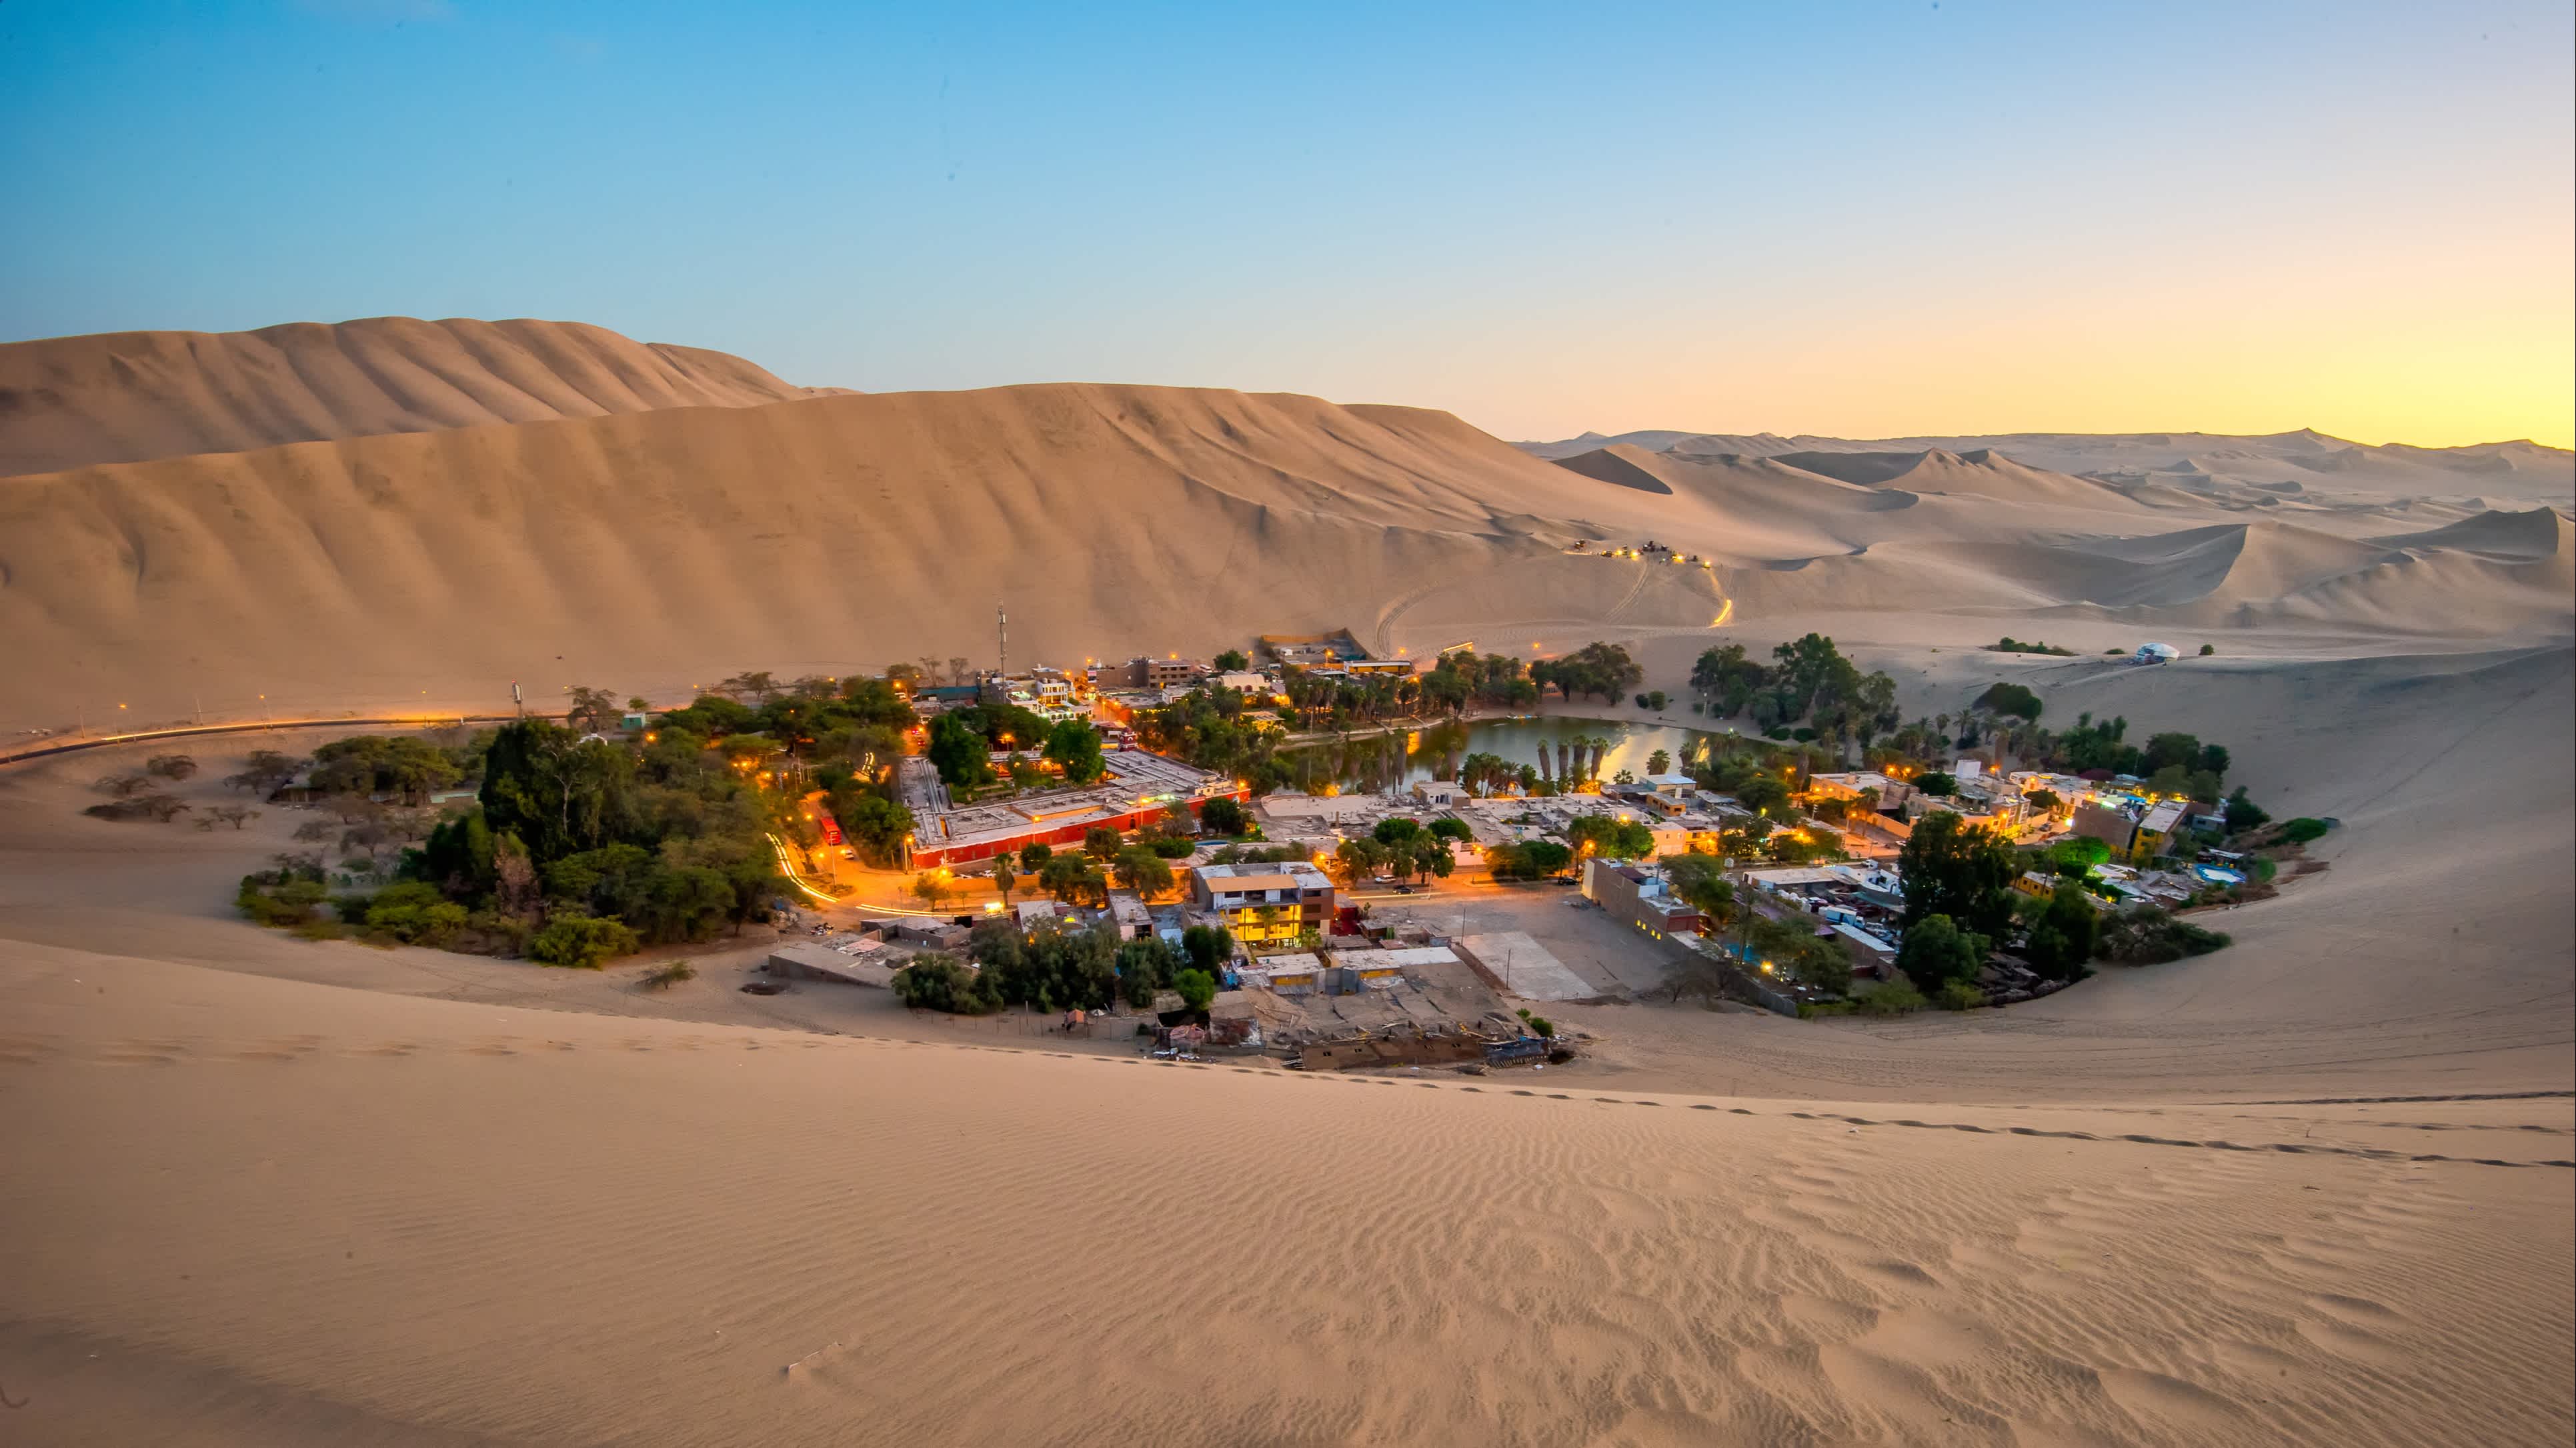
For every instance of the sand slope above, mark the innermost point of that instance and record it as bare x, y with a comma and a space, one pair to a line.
674, 546
595, 1230
127, 396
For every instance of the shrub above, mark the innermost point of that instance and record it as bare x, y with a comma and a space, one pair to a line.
937, 981
1959, 995
2303, 829
2149, 936
280, 898
666, 976
2207, 649
171, 766
1938, 784
1197, 988
415, 914
1539, 1025
2014, 699
580, 942
1890, 998
150, 804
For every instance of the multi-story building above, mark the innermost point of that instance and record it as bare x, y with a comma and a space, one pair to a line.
1261, 903
1639, 897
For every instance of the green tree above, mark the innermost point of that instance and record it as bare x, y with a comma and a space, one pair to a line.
937, 981
1395, 830
1033, 858
1197, 988
1936, 952
1700, 882
1139, 869
1223, 816
1004, 877
929, 889
2244, 814
1960, 870
1232, 661
581, 942
1659, 762
1937, 784
2014, 699
558, 794
1075, 748
1612, 839
958, 752
1073, 879
1144, 967
1794, 949
1100, 842
877, 828
2061, 939
1208, 947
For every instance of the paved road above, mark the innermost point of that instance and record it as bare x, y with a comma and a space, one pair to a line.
193, 731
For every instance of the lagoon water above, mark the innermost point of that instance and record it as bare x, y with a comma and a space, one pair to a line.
1378, 762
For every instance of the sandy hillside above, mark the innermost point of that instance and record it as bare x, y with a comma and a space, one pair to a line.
127, 396
670, 547
496, 1225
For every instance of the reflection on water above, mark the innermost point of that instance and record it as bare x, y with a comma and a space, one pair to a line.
1553, 745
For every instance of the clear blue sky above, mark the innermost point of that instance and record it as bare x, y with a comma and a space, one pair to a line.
1864, 219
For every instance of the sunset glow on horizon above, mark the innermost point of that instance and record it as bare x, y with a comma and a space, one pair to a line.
1857, 222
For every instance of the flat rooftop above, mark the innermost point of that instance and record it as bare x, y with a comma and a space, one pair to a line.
1136, 780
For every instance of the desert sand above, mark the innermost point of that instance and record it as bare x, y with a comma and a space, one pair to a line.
2312, 1188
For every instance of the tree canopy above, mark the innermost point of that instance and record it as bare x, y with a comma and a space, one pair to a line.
1959, 870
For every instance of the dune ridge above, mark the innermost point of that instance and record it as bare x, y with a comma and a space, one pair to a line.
648, 544
132, 396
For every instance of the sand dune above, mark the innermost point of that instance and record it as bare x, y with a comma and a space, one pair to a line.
825, 535
1983, 472
127, 396
600, 1230
2520, 470
2534, 533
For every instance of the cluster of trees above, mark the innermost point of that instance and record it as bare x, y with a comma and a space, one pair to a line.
963, 741
1812, 681
1316, 701
577, 849
401, 765
1596, 668
2146, 935
1404, 848
1206, 727
1053, 969
1529, 860
1461, 679
2171, 763
1611, 839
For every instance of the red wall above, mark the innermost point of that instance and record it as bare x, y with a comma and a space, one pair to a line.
1060, 835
